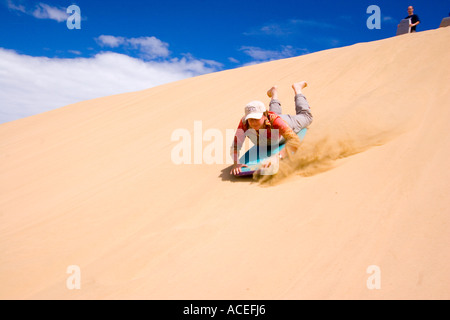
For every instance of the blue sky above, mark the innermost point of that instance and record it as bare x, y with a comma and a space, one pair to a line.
132, 45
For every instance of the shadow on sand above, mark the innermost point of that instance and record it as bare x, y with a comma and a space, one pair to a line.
227, 176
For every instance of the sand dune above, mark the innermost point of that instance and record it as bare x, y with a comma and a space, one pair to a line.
93, 185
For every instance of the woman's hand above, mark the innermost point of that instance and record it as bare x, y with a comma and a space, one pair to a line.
266, 164
270, 165
237, 168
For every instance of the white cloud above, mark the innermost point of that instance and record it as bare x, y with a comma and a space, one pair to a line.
389, 19
44, 11
275, 29
40, 11
312, 24
260, 54
148, 47
78, 53
31, 85
289, 27
16, 7
110, 41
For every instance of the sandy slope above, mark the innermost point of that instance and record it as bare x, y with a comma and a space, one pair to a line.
93, 185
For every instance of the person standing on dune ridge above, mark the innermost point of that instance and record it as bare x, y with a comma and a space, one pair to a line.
414, 19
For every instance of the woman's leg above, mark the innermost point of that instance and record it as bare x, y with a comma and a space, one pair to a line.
303, 116
301, 104
275, 104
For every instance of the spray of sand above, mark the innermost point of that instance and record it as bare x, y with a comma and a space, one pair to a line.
327, 141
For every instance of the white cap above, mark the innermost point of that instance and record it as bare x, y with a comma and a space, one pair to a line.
254, 110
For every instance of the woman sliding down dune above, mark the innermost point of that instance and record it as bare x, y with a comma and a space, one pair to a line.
257, 117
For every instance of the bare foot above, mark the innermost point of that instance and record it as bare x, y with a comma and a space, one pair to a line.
298, 86
273, 92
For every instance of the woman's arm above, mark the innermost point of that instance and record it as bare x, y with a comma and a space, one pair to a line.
292, 140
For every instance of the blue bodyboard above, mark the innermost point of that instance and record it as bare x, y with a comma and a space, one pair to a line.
254, 156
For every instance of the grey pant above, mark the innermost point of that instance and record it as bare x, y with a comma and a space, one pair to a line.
301, 119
